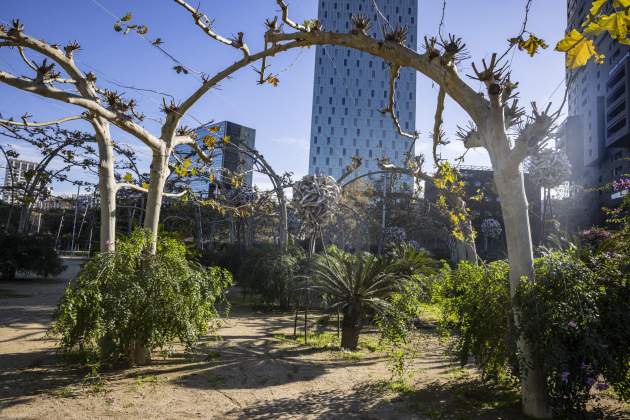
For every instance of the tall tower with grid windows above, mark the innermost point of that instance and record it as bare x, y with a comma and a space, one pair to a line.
351, 87
597, 130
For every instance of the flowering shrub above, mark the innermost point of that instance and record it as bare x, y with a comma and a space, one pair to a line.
621, 184
572, 316
575, 316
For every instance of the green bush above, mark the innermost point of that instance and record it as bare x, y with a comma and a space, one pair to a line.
27, 252
271, 274
575, 317
475, 304
130, 301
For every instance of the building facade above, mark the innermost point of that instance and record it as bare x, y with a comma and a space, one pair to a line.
15, 175
351, 87
227, 158
597, 131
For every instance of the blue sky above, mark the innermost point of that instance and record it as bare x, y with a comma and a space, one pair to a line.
281, 115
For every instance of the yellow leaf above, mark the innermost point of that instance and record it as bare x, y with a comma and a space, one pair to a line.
210, 141
215, 128
145, 185
226, 139
273, 80
615, 24
579, 50
128, 177
532, 44
597, 6
186, 163
621, 3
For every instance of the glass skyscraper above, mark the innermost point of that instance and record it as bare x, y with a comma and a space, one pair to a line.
226, 158
351, 87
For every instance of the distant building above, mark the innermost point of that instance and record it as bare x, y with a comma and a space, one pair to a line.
226, 158
480, 180
351, 87
15, 175
597, 131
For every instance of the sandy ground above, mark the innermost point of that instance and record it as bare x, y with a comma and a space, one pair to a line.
247, 374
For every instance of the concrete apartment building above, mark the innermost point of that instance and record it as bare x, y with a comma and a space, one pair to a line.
597, 131
351, 87
15, 175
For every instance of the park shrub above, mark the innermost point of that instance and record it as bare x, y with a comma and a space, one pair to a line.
575, 319
271, 273
28, 252
574, 316
475, 306
128, 302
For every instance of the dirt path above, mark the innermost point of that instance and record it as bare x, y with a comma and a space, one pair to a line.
249, 374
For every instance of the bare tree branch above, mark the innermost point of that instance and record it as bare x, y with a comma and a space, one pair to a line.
130, 186
205, 23
394, 73
285, 17
438, 134
91, 105
26, 123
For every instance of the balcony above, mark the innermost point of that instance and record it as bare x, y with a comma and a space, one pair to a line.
617, 100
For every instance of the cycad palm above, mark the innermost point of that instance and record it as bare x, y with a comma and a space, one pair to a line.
354, 284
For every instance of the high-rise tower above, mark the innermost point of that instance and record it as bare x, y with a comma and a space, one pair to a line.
351, 87
597, 132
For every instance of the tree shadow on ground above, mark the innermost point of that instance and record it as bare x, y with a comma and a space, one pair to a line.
364, 401
25, 375
257, 365
465, 399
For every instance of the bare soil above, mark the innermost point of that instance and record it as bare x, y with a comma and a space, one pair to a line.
251, 372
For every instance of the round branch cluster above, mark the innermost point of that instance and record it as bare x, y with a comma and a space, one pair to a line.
491, 228
241, 196
315, 200
549, 168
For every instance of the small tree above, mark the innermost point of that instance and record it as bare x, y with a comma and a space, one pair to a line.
354, 284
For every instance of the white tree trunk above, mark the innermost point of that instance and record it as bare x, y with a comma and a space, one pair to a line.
106, 185
284, 224
159, 173
511, 189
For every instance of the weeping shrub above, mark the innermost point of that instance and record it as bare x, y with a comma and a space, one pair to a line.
128, 302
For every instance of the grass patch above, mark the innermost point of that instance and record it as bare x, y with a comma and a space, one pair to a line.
148, 379
430, 312
64, 392
371, 343
325, 340
350, 355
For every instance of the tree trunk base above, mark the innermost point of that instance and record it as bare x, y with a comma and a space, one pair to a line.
350, 338
139, 355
